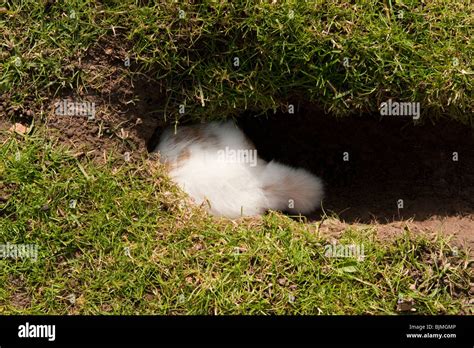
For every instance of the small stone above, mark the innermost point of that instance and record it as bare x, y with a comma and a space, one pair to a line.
19, 128
198, 246
405, 305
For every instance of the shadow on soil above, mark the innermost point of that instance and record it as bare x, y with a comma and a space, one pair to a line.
369, 164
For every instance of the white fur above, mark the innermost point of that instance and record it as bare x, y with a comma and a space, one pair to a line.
230, 187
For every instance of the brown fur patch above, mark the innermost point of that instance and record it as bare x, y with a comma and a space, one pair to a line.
187, 134
194, 134
183, 156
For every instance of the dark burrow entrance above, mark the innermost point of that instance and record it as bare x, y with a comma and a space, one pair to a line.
372, 166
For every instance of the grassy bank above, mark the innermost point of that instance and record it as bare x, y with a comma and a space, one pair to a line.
115, 238
218, 58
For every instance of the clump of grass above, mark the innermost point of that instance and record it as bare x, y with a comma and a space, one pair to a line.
346, 57
132, 245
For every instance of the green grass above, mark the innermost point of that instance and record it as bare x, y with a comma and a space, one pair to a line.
291, 51
182, 261
131, 244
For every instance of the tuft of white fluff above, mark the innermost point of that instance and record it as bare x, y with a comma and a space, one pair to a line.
294, 190
200, 161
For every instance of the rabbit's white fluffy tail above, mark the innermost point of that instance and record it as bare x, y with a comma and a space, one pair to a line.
219, 168
294, 190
